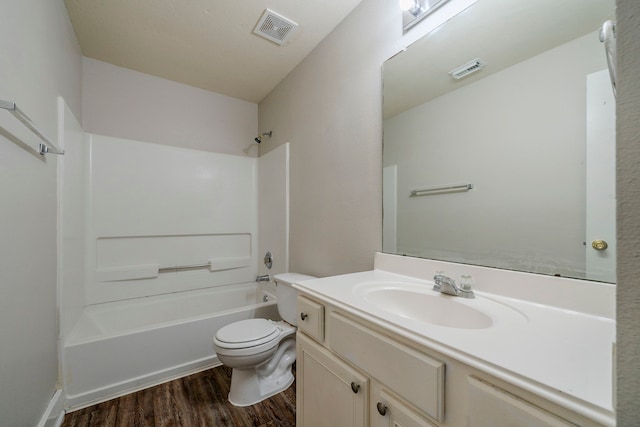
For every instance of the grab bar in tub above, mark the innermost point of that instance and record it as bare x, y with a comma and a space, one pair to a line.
151, 271
46, 146
217, 264
183, 268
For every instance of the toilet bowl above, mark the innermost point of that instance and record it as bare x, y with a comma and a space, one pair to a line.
261, 351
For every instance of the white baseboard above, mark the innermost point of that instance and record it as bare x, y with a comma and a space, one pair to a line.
112, 391
54, 414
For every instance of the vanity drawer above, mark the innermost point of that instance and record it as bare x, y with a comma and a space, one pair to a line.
414, 376
311, 318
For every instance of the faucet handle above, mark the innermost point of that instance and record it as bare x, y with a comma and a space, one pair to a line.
466, 282
466, 285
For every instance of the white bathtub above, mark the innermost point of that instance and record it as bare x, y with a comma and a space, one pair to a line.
120, 347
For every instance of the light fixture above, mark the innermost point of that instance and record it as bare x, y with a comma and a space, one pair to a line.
413, 11
411, 6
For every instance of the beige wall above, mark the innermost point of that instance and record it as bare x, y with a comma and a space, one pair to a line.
39, 60
628, 192
330, 109
128, 104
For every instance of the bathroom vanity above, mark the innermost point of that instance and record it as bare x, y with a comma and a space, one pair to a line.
381, 348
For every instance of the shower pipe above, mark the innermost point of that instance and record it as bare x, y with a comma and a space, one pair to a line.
263, 134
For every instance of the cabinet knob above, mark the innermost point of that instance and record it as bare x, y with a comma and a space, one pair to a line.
303, 316
382, 408
355, 387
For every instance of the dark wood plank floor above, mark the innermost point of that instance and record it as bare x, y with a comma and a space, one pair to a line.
199, 400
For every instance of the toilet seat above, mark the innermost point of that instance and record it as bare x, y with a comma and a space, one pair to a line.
235, 339
247, 333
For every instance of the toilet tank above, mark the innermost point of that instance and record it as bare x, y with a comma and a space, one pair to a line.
286, 295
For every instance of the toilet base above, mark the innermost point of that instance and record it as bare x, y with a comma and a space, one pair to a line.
247, 389
251, 386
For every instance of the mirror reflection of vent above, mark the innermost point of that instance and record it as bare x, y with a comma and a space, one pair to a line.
468, 68
275, 27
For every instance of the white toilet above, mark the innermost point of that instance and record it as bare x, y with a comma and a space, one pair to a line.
261, 351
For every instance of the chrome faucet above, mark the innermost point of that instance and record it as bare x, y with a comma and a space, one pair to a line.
446, 285
263, 278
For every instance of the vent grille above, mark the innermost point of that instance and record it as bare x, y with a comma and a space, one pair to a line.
468, 68
275, 27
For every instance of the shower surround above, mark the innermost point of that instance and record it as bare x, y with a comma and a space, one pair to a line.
133, 214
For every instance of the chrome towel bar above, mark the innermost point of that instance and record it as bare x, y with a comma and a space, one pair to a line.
441, 190
46, 146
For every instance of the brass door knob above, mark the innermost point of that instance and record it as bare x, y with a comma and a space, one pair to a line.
599, 245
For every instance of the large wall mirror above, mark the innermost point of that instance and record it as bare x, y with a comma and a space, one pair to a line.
518, 156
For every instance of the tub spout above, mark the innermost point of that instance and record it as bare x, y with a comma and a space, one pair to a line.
263, 278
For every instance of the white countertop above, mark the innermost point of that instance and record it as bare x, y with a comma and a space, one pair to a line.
562, 355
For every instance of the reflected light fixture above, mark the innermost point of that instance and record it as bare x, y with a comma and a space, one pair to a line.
413, 11
411, 6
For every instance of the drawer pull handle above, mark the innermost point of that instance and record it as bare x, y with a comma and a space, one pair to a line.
355, 387
303, 316
382, 408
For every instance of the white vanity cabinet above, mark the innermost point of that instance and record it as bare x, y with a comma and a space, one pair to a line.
362, 378
352, 372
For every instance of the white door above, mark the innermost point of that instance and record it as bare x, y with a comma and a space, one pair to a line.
389, 208
600, 185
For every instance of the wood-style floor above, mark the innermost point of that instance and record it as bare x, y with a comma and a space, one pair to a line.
199, 400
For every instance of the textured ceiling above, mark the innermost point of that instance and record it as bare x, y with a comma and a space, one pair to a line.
203, 43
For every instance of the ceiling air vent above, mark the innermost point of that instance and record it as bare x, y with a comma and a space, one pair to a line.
468, 68
274, 27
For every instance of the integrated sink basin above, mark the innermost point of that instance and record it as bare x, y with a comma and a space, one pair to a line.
417, 301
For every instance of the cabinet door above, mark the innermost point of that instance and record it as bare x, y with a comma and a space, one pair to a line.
389, 411
330, 393
490, 406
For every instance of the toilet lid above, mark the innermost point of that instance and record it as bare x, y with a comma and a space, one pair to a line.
247, 333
